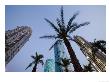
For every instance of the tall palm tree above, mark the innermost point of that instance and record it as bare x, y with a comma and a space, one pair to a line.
36, 60
64, 63
88, 68
63, 32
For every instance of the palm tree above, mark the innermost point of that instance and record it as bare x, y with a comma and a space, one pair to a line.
63, 32
64, 63
88, 68
100, 44
96, 45
37, 60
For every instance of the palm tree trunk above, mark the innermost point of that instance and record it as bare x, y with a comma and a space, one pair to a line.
34, 68
66, 69
74, 60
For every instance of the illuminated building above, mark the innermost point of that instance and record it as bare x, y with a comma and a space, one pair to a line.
97, 58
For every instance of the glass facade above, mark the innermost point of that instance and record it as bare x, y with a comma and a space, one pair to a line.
59, 52
49, 65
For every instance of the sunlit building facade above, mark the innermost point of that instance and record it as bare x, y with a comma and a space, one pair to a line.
15, 40
49, 65
97, 59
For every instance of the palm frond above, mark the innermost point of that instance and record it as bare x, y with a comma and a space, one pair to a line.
49, 36
54, 27
59, 22
29, 65
33, 57
101, 41
36, 54
83, 24
73, 27
68, 29
71, 19
76, 26
40, 56
62, 16
54, 44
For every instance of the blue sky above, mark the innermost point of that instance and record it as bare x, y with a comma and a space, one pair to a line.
33, 16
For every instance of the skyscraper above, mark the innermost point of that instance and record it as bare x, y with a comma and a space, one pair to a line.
97, 59
49, 65
15, 40
59, 52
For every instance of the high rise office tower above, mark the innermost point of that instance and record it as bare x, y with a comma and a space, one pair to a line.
49, 65
59, 52
97, 58
15, 40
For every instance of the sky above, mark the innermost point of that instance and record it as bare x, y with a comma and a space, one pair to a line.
33, 16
